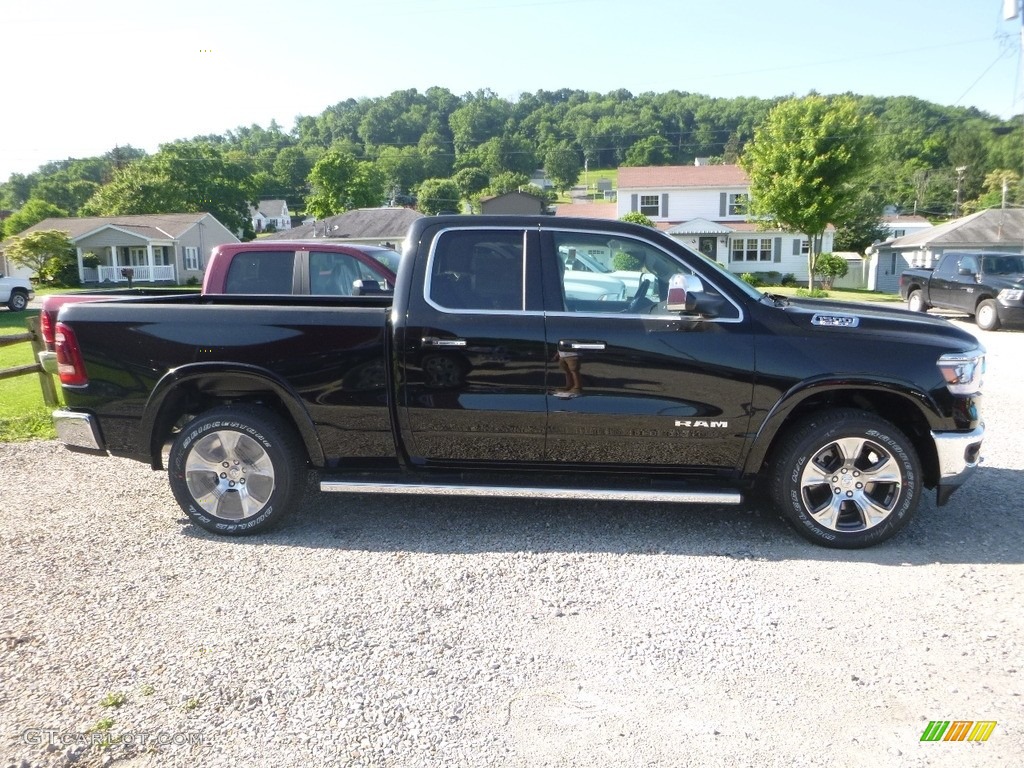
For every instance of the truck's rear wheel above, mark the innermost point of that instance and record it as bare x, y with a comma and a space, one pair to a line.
987, 315
916, 302
236, 469
846, 479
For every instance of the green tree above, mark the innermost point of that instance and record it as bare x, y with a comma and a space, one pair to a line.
341, 183
44, 252
507, 181
653, 150
563, 164
184, 177
993, 195
438, 195
804, 164
30, 213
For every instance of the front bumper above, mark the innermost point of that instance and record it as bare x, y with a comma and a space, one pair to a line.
78, 431
959, 455
1010, 314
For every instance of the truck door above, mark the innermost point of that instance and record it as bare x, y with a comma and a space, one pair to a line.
636, 384
471, 386
948, 288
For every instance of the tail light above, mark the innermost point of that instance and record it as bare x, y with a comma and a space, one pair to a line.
70, 365
46, 328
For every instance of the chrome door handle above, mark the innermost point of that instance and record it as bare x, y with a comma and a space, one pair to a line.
593, 345
432, 341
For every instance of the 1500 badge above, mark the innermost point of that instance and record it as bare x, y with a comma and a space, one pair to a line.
704, 424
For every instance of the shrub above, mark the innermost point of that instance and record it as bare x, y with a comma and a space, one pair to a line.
626, 262
751, 279
788, 279
192, 281
828, 267
817, 293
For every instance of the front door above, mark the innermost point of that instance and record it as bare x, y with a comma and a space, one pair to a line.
709, 247
472, 381
640, 385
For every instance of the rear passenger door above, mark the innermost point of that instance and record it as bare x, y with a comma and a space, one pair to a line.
471, 387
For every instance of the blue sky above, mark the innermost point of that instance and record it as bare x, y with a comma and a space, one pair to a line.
82, 77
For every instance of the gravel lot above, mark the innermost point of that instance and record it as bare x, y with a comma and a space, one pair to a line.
394, 631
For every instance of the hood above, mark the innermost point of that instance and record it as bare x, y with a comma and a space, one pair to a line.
1004, 281
879, 319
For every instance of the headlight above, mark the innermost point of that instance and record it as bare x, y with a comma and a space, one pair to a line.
963, 371
1011, 294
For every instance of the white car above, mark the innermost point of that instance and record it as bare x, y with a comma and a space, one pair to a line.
16, 292
582, 267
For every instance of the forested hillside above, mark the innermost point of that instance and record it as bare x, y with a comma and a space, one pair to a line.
377, 150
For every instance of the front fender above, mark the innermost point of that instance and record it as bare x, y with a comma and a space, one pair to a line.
220, 381
908, 407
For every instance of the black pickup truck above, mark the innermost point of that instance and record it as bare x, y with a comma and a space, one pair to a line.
484, 376
989, 286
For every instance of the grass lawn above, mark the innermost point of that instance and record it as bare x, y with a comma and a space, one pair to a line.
23, 416
840, 294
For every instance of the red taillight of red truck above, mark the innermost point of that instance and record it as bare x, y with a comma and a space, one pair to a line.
70, 365
46, 328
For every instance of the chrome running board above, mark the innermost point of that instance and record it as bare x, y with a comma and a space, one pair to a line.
599, 494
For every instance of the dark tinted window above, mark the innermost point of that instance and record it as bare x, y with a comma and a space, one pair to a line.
478, 269
261, 272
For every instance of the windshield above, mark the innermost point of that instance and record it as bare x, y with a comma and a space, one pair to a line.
1003, 265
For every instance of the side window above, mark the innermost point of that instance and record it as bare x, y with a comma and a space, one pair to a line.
970, 263
332, 274
261, 272
477, 269
619, 275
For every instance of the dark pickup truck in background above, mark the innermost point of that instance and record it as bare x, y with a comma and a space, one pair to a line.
988, 286
484, 375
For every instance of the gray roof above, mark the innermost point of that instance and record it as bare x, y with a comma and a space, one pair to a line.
358, 224
157, 226
994, 227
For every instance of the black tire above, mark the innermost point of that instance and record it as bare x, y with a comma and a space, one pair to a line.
236, 470
846, 479
986, 315
18, 301
916, 302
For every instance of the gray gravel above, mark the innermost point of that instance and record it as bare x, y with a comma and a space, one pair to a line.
396, 631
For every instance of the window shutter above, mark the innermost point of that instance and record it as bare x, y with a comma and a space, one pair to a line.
796, 247
633, 202
777, 254
721, 204
664, 205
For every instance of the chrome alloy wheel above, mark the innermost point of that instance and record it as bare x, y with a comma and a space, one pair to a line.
229, 475
851, 484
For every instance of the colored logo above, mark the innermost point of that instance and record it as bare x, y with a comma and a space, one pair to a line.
958, 730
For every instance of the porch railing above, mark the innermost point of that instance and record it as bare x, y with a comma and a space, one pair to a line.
142, 274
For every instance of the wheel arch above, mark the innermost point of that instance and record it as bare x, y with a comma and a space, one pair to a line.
192, 389
905, 408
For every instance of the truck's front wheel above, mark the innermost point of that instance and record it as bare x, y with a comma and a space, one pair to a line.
18, 301
987, 315
236, 469
846, 479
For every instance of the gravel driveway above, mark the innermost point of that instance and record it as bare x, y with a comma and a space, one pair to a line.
395, 631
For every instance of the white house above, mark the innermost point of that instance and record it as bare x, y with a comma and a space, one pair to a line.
160, 247
271, 214
705, 206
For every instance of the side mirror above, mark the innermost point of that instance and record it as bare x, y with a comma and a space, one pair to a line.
686, 294
964, 271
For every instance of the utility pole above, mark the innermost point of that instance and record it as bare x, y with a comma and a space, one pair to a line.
960, 170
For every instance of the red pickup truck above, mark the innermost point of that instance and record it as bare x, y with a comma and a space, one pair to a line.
260, 267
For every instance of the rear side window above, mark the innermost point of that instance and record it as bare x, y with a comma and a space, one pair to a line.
261, 272
333, 274
478, 269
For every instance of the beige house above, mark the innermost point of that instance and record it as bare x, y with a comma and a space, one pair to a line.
158, 248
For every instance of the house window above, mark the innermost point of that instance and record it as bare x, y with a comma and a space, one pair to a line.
805, 247
738, 203
899, 232
137, 257
650, 205
751, 249
192, 258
